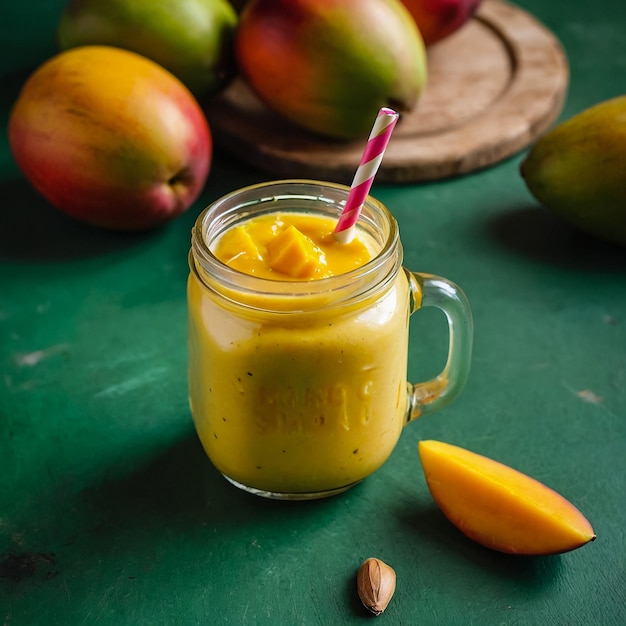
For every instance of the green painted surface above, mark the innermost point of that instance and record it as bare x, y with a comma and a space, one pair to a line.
111, 514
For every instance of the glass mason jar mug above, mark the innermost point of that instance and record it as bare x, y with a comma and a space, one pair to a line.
298, 388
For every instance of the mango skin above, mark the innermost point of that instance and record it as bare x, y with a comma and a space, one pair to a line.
110, 138
499, 507
193, 39
330, 65
438, 19
578, 170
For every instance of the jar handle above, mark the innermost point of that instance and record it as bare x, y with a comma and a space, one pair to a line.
431, 395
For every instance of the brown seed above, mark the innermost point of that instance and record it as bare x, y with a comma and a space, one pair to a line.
376, 582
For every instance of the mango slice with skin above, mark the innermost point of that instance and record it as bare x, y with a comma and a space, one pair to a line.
498, 506
294, 254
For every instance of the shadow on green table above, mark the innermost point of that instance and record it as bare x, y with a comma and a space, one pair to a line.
534, 572
32, 230
168, 497
537, 233
180, 487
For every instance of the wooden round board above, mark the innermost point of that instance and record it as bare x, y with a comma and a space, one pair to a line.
493, 87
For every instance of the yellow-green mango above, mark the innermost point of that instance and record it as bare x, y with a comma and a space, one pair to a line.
578, 169
193, 39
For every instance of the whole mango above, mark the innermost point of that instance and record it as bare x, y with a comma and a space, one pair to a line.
193, 39
438, 19
330, 65
578, 170
111, 138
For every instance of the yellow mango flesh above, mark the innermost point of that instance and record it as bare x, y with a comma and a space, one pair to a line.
239, 245
498, 506
289, 246
294, 254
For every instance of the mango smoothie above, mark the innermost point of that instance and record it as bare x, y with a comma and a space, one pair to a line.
290, 391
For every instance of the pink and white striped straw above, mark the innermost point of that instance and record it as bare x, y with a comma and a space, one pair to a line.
364, 176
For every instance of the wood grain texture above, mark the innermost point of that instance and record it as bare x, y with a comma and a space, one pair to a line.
493, 87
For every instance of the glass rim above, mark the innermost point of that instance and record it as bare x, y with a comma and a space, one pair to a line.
243, 203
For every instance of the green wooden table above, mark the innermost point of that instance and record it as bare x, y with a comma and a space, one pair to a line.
111, 514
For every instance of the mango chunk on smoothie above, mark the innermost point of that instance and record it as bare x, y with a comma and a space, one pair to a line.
294, 254
239, 246
290, 246
498, 506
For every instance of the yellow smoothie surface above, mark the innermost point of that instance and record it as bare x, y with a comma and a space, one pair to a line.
289, 246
